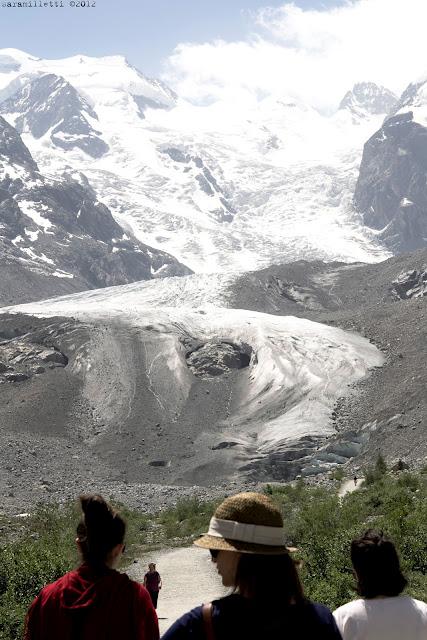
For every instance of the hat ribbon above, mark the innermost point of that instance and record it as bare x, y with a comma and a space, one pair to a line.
256, 533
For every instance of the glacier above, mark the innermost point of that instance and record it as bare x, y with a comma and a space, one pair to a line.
225, 190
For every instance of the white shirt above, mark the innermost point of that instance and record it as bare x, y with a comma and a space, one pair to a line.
399, 618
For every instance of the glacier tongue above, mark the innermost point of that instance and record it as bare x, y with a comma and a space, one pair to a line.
297, 369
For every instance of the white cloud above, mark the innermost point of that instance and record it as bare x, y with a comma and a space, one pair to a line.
311, 55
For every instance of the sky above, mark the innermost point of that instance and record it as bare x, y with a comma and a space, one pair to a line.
145, 31
238, 50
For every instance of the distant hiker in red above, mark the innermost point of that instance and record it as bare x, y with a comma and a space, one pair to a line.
95, 601
153, 583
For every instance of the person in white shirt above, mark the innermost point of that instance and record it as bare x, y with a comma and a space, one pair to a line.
382, 612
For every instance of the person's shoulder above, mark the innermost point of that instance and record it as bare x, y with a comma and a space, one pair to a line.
190, 622
139, 590
194, 615
321, 611
418, 604
349, 607
51, 592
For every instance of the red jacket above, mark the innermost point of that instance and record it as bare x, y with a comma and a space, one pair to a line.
83, 605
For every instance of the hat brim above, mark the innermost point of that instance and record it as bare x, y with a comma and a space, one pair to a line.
207, 541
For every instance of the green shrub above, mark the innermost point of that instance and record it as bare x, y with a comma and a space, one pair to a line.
43, 550
337, 474
321, 526
380, 465
188, 518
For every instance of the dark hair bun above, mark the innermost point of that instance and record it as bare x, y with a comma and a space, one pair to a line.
100, 530
96, 510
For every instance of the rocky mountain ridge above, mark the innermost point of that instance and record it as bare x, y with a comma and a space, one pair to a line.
391, 190
49, 104
55, 232
367, 98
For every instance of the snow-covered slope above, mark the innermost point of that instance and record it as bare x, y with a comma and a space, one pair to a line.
54, 227
219, 187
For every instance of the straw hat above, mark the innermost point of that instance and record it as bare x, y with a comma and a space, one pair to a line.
246, 522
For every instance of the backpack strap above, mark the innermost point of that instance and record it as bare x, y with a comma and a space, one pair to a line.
207, 621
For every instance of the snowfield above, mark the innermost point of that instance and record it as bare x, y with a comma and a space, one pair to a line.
221, 188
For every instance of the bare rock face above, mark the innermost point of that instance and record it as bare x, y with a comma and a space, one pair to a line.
410, 284
218, 358
21, 359
55, 356
12, 147
391, 192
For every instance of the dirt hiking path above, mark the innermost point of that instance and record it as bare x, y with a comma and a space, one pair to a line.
189, 579
348, 486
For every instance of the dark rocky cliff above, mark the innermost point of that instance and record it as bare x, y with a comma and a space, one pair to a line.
391, 190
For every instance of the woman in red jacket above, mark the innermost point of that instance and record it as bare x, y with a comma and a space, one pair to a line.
95, 601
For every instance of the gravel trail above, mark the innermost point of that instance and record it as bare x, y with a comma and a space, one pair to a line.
348, 486
189, 579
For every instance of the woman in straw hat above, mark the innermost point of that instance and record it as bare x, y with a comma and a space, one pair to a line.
246, 541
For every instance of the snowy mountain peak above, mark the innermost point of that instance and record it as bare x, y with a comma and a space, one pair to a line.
100, 80
48, 103
368, 98
414, 99
12, 59
57, 227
